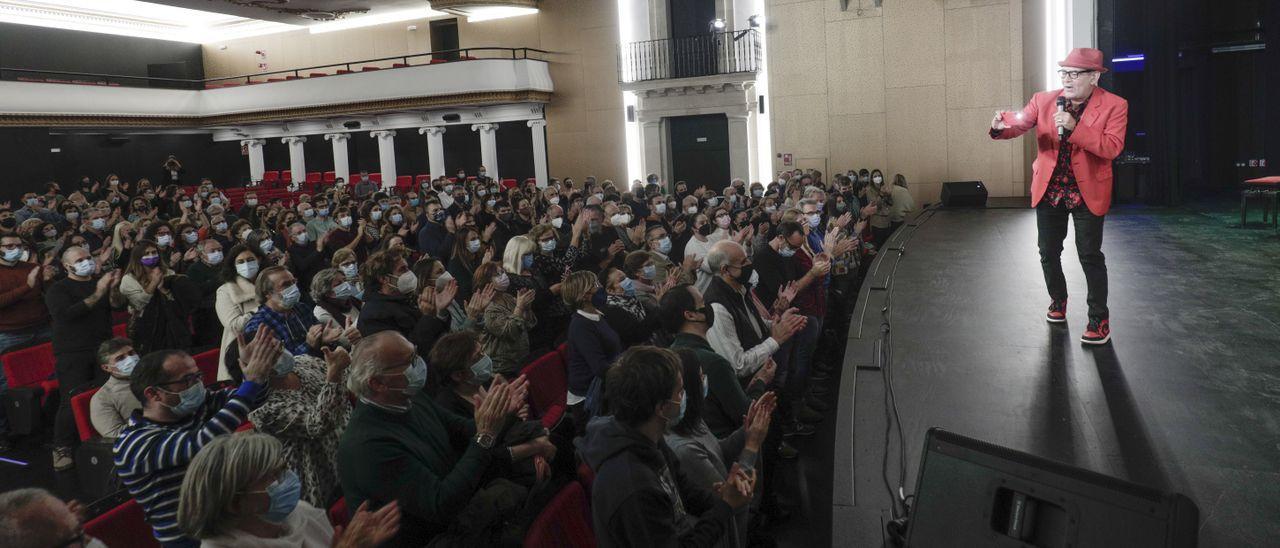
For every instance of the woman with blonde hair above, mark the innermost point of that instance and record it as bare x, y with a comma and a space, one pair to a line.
239, 491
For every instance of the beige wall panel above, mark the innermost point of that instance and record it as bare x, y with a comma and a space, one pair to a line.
512, 32
600, 69
605, 153
787, 3
1015, 39
914, 46
978, 58
561, 21
917, 127
956, 4
800, 125
566, 151
867, 9
924, 193
974, 156
858, 141
798, 66
855, 66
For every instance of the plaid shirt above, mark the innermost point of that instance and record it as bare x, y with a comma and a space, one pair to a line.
290, 327
1063, 191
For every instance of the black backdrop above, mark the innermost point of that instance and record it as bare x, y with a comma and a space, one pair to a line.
29, 47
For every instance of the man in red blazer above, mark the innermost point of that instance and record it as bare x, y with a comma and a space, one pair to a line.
1071, 176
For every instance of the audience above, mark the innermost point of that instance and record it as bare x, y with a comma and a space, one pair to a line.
437, 296
241, 491
113, 403
35, 518
640, 495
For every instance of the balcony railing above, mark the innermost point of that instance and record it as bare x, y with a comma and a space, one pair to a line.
332, 69
729, 52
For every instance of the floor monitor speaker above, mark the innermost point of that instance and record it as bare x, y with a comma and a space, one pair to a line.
964, 194
973, 493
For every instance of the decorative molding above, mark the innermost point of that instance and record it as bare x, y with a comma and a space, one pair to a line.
536, 123
383, 134
332, 110
442, 5
335, 137
293, 140
485, 128
431, 131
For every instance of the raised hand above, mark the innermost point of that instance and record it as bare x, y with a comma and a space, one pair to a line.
615, 248
524, 298
489, 230
480, 301
367, 529
350, 332
758, 418
785, 296
488, 255
445, 296
766, 372
665, 286
491, 406
737, 488
427, 301
337, 362
691, 263
258, 357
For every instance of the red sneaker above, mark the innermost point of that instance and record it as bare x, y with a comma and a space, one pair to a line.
1057, 311
1098, 332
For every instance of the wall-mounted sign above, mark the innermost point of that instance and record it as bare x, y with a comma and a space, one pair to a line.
787, 159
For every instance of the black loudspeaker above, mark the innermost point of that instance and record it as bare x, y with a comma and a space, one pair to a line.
95, 467
973, 493
964, 194
23, 408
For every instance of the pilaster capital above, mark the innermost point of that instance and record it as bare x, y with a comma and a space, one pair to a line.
293, 140
536, 123
251, 143
484, 128
382, 134
337, 137
431, 131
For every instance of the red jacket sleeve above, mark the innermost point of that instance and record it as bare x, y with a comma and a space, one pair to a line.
1106, 140
1030, 114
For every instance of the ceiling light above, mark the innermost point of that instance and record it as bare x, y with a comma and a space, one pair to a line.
489, 13
375, 19
717, 25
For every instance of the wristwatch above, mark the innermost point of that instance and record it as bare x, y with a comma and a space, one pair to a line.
485, 440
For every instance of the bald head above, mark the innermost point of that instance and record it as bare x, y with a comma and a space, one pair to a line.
377, 355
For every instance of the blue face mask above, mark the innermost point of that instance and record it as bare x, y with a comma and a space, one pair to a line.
684, 401
787, 251
414, 202
284, 365
628, 287
706, 388
289, 296
483, 370
664, 245
416, 374
527, 261
650, 271
191, 399
285, 493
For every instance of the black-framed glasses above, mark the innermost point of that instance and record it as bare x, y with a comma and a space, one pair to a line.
185, 380
1072, 74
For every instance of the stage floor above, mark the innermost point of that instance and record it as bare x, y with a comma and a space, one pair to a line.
1186, 398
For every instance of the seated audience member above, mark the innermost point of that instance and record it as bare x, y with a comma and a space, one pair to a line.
241, 491
345, 261
236, 301
392, 304
113, 403
306, 409
641, 495
34, 518
507, 320
304, 255
178, 417
685, 314
704, 457
739, 332
626, 313
592, 346
278, 294
400, 445
334, 296
460, 369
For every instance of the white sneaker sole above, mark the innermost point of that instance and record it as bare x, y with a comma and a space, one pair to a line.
1051, 320
1102, 341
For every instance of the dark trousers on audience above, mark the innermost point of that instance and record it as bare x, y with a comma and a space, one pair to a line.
806, 346
1052, 224
75, 370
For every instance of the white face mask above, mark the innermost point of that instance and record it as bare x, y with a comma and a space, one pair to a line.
620, 219
85, 267
692, 210
247, 269
557, 222
549, 246
350, 270
344, 221
407, 283
660, 208
214, 258
501, 282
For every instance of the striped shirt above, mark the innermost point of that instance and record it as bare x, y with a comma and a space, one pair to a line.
151, 457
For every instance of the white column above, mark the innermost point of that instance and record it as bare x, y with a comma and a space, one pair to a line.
435, 149
256, 165
739, 148
341, 167
488, 148
538, 129
386, 156
297, 161
651, 143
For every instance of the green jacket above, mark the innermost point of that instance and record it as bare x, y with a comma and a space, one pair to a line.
506, 335
726, 402
425, 458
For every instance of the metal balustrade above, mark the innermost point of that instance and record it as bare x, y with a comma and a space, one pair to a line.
729, 52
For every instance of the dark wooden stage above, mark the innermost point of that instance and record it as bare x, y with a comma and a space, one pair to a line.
1186, 398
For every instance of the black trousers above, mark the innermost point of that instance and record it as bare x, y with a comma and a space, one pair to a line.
75, 370
1052, 224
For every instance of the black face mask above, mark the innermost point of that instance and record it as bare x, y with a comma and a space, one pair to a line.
744, 277
705, 229
709, 317
9, 222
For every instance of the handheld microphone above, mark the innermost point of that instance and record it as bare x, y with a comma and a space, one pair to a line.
1062, 104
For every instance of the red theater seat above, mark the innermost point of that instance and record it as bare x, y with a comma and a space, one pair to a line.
207, 361
338, 515
438, 61
270, 176
344, 71
124, 525
80, 410
508, 184
376, 177
368, 69
319, 74
120, 330
421, 180
548, 387
330, 176
564, 521
404, 182
286, 176
399, 65
313, 177
31, 366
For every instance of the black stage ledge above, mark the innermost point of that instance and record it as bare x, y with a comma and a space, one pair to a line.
1185, 399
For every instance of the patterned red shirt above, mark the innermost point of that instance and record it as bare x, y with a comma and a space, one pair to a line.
1063, 191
